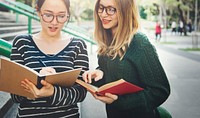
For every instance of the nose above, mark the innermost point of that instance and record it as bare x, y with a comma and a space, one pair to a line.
54, 21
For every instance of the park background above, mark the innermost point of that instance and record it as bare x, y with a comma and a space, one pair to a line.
179, 53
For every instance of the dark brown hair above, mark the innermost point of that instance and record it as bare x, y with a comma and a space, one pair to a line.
39, 3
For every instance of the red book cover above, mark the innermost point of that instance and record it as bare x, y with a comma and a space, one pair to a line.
119, 87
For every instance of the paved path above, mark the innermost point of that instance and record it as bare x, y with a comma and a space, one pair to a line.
182, 69
184, 78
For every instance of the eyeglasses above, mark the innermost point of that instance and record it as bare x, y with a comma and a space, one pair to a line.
47, 17
109, 10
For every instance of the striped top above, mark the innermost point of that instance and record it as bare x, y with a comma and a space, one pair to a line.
64, 101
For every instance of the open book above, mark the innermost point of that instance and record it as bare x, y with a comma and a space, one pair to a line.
12, 73
119, 87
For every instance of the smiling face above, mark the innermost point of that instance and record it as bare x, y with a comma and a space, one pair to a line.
108, 14
55, 10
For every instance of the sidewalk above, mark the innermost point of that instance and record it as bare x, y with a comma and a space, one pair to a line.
182, 68
184, 77
176, 41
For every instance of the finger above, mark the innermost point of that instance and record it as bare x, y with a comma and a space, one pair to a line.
45, 83
98, 75
97, 78
42, 72
85, 76
89, 77
28, 90
31, 86
29, 83
94, 95
114, 97
103, 98
47, 70
52, 70
24, 85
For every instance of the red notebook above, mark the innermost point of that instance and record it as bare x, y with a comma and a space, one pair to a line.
119, 87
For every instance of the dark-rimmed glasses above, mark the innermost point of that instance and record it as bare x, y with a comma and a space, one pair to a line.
109, 10
47, 17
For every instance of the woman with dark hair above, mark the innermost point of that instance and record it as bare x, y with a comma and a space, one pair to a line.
125, 53
50, 51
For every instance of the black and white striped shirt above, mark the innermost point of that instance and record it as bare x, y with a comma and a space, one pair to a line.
64, 101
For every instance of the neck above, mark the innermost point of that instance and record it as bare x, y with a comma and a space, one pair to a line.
48, 38
113, 31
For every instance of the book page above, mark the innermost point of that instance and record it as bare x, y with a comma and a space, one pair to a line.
89, 87
111, 84
118, 87
0, 64
65, 78
13, 73
11, 76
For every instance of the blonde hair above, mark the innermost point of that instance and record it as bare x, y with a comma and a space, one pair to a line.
128, 24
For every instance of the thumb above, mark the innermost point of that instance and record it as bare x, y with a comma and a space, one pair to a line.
44, 83
97, 78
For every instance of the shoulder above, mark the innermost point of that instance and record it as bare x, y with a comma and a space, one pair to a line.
140, 46
78, 42
22, 39
140, 35
140, 39
140, 43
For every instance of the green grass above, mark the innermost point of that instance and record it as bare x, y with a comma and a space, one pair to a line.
190, 49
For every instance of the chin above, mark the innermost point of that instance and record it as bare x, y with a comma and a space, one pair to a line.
52, 34
106, 27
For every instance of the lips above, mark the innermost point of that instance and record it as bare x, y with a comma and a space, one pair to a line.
104, 21
53, 29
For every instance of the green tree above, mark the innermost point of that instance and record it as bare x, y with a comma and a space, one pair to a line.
80, 7
167, 10
142, 12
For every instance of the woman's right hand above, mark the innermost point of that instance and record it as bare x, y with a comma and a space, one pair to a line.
95, 74
47, 71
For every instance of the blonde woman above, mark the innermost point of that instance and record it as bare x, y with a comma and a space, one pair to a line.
126, 53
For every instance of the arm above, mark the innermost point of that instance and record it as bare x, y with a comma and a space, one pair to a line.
16, 55
75, 94
94, 76
152, 76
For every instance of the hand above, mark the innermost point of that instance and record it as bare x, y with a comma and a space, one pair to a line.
47, 70
108, 98
95, 74
46, 91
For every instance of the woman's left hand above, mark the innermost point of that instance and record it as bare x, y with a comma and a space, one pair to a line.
108, 98
46, 91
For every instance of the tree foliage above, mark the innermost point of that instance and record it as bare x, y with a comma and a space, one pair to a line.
171, 10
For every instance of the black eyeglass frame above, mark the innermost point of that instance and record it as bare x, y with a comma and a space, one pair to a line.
68, 16
106, 9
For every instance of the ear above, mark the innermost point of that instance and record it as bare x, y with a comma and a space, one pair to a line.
37, 11
36, 8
